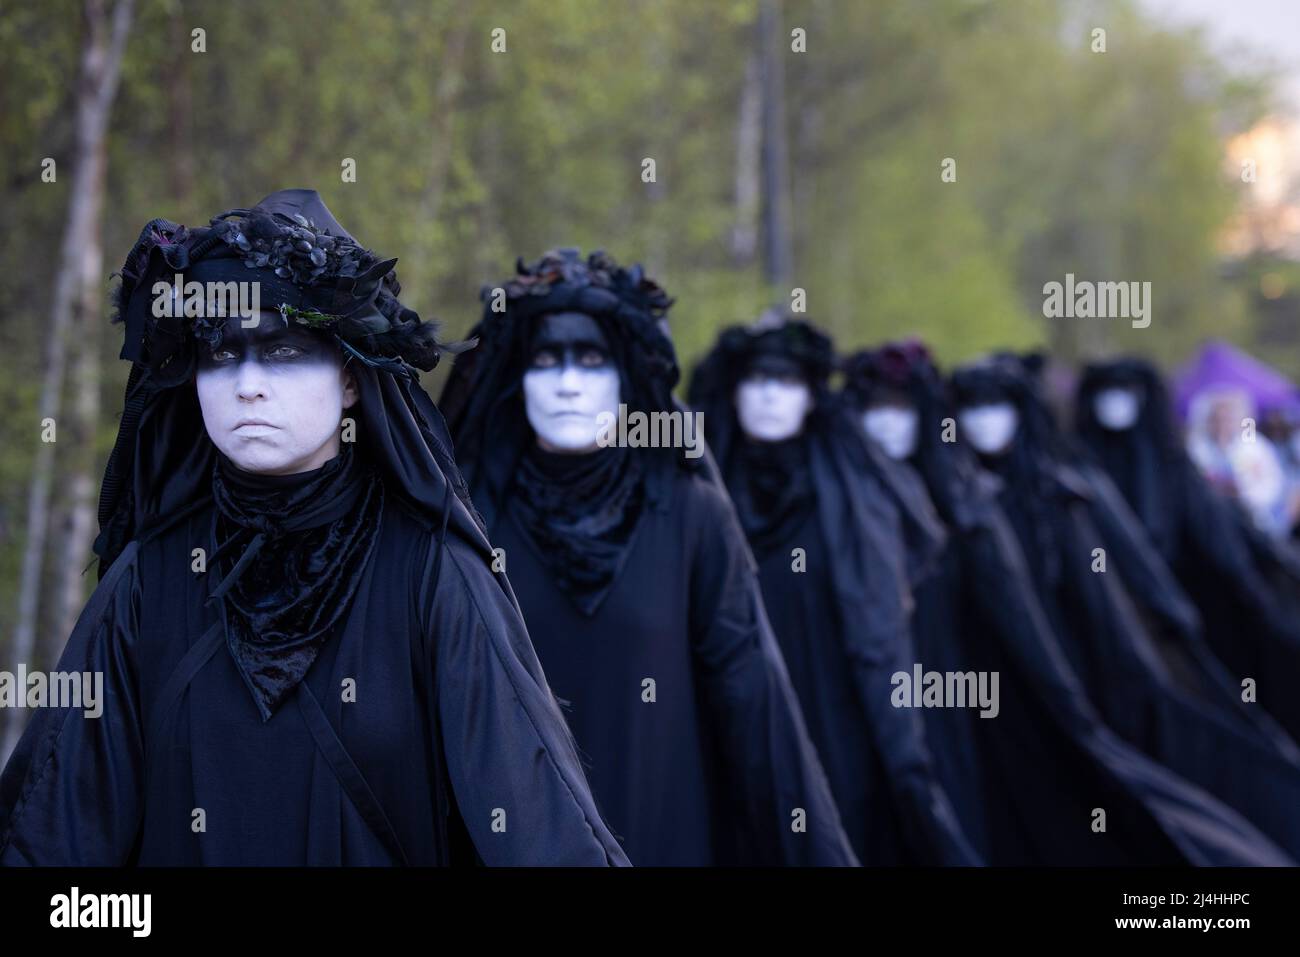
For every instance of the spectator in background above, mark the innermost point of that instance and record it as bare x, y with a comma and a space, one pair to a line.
1227, 445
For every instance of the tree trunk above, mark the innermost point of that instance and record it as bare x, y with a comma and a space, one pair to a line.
80, 265
749, 137
778, 258
78, 455
180, 110
441, 145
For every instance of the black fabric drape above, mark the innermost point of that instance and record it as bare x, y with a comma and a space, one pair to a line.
1245, 587
880, 536
774, 495
306, 540
1165, 700
581, 511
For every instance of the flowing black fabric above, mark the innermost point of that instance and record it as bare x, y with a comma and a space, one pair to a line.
581, 511
1245, 586
1128, 632
308, 539
451, 724
842, 618
772, 490
1025, 781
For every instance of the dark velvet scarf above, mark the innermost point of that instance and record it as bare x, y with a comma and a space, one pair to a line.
307, 538
771, 484
580, 511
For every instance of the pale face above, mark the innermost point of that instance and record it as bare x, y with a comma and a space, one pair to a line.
989, 427
570, 382
1117, 408
893, 427
773, 400
273, 396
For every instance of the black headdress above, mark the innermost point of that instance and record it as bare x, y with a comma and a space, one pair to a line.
308, 268
1148, 462
713, 387
714, 383
316, 275
1008, 377
483, 396
770, 482
1037, 467
959, 490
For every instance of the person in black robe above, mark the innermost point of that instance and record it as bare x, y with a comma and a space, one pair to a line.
831, 539
632, 573
1245, 585
1025, 781
305, 654
1115, 609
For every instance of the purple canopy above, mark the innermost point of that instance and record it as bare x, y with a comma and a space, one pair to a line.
1220, 366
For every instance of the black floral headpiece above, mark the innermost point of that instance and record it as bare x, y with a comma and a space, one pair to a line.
562, 281
308, 268
629, 305
776, 335
482, 398
895, 365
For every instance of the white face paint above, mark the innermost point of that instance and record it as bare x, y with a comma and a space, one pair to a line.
570, 382
772, 409
564, 402
893, 427
1117, 408
989, 427
289, 381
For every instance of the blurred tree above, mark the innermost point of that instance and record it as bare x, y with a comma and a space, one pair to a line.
72, 342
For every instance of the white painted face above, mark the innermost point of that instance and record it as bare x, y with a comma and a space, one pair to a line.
1117, 408
772, 406
571, 380
989, 427
291, 383
893, 427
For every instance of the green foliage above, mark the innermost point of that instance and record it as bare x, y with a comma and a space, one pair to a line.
1104, 165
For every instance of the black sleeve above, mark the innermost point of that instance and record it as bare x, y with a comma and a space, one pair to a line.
71, 794
514, 770
771, 761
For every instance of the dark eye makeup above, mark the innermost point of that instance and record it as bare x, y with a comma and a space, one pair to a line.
584, 355
283, 349
759, 378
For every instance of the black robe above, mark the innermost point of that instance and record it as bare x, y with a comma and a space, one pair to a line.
715, 768
843, 624
805, 617
451, 729
1026, 782
1165, 700
1245, 587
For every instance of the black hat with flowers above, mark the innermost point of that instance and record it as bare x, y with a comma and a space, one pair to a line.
310, 270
